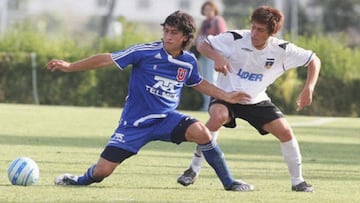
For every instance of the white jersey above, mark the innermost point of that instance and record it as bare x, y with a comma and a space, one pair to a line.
253, 70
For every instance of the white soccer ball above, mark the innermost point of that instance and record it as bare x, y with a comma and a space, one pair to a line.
23, 171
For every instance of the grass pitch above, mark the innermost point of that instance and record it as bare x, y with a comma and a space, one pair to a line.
70, 139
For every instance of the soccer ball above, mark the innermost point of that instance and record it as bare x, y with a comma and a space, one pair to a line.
23, 171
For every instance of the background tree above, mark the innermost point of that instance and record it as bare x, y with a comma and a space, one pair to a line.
237, 13
108, 18
339, 15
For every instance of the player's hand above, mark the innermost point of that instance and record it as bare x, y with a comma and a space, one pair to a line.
56, 64
235, 97
304, 99
221, 65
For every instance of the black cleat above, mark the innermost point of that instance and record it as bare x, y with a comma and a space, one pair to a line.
188, 177
302, 187
66, 179
240, 186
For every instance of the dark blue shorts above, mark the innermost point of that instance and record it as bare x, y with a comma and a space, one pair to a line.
128, 139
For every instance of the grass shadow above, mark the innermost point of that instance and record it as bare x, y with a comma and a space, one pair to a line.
74, 141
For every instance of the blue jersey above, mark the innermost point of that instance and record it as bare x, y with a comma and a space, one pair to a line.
156, 81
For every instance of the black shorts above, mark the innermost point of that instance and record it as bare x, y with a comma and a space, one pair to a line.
256, 115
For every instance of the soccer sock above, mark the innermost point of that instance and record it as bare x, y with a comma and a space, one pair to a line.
215, 157
88, 177
292, 157
198, 158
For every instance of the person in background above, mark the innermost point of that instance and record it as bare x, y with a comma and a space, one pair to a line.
250, 61
212, 25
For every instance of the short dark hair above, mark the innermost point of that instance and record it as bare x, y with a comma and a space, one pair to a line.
273, 18
183, 22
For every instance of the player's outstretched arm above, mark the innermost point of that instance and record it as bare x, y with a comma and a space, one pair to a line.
306, 95
232, 97
220, 64
93, 62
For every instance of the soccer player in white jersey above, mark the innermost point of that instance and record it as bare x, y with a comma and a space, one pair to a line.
251, 60
159, 71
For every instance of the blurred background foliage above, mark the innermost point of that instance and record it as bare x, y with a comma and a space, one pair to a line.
336, 94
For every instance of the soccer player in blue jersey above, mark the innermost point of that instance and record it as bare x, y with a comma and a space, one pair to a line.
159, 71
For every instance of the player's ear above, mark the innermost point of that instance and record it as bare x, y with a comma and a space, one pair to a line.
274, 32
185, 39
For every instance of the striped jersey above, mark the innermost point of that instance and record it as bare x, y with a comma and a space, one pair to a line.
253, 70
156, 81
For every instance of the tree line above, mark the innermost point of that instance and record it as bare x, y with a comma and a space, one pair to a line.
336, 94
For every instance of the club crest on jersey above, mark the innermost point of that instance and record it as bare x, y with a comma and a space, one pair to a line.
181, 74
269, 62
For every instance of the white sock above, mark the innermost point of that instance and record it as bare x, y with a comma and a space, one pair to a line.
198, 157
292, 157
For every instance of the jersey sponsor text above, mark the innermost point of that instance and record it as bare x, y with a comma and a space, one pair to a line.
256, 77
164, 88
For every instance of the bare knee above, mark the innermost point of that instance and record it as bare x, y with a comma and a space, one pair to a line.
280, 128
219, 115
198, 133
285, 135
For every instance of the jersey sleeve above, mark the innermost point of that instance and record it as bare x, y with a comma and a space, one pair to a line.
194, 78
297, 56
222, 43
125, 57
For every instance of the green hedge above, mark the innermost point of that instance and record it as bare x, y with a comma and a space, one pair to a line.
337, 92
105, 87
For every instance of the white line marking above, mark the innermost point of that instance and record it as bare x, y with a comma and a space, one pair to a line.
317, 122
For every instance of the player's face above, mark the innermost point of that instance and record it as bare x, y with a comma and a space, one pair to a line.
173, 40
259, 35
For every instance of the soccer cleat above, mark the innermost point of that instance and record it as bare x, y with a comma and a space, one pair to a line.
240, 186
302, 187
66, 179
188, 177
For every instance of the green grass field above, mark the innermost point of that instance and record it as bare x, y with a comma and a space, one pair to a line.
70, 139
